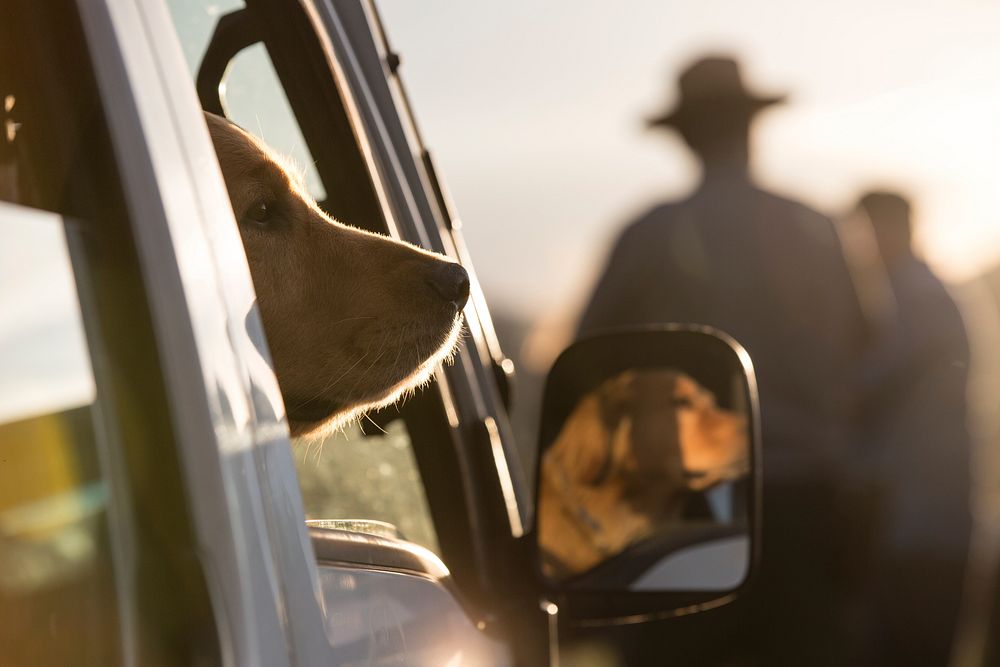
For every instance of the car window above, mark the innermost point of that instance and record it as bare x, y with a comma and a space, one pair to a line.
352, 481
94, 536
252, 94
55, 557
255, 101
195, 20
350, 476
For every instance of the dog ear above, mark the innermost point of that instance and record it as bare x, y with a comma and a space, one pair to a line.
583, 447
591, 442
217, 127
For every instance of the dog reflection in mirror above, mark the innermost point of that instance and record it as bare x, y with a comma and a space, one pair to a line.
624, 461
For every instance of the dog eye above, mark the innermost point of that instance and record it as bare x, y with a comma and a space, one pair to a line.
260, 213
681, 402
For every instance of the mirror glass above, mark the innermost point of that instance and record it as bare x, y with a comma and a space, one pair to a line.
647, 448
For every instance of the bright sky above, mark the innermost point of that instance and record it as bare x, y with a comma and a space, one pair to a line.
533, 111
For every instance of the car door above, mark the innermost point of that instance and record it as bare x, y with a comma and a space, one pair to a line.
206, 555
122, 536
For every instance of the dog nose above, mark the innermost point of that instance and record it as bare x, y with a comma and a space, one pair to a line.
451, 281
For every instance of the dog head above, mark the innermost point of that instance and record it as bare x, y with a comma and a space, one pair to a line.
644, 428
625, 458
353, 319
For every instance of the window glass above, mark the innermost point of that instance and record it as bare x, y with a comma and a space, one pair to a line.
44, 363
89, 473
351, 475
195, 21
55, 560
57, 595
255, 101
252, 92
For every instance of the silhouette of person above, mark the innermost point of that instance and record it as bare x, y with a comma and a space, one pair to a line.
915, 423
770, 272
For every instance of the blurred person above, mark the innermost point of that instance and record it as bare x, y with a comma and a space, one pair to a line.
770, 272
980, 631
915, 427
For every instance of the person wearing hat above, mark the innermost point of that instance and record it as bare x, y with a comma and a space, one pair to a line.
770, 272
714, 113
916, 423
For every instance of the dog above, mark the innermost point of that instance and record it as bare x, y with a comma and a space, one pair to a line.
353, 320
624, 461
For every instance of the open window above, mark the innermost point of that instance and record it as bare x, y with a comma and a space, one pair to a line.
367, 478
323, 79
351, 480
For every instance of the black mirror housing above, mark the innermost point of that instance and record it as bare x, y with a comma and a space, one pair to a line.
648, 475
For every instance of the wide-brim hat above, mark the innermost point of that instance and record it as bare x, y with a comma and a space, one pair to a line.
712, 86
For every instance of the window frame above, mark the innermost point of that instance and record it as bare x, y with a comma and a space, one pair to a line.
159, 580
97, 418
334, 66
226, 410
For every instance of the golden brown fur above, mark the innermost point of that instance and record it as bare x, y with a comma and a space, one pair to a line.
623, 461
353, 319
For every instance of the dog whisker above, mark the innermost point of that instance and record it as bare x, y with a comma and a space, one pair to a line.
399, 349
351, 319
332, 384
365, 372
319, 450
373, 423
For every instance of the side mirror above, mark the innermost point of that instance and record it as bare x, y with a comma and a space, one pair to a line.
648, 474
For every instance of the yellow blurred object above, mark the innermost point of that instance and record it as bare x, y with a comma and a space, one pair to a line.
37, 460
51, 498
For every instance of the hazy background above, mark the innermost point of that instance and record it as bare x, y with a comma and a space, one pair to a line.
534, 113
